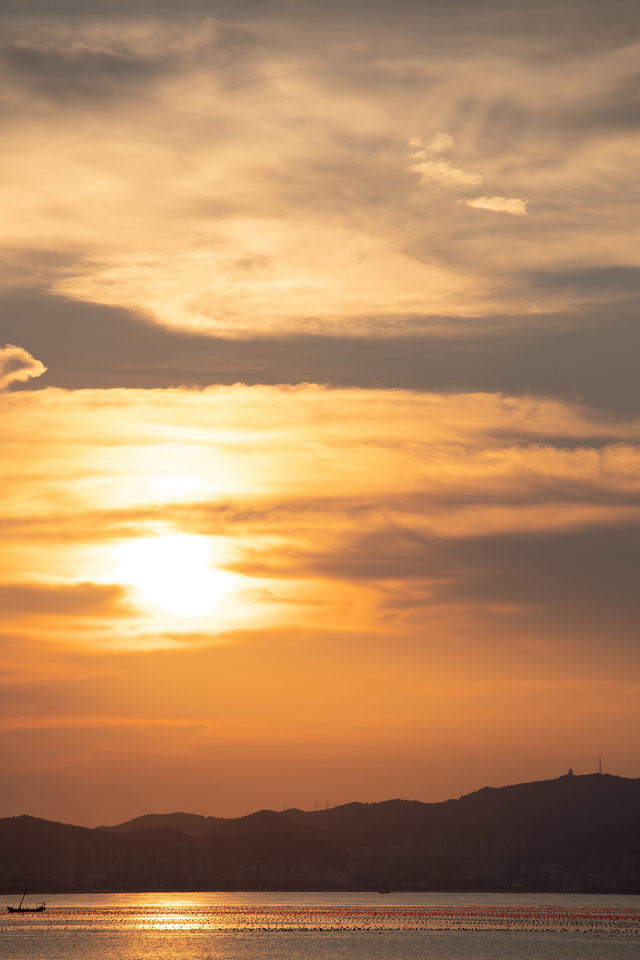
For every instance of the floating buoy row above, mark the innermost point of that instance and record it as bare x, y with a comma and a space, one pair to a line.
619, 921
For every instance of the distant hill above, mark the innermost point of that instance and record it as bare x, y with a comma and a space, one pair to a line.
191, 824
578, 833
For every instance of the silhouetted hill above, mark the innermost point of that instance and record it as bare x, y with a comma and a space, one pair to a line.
571, 833
191, 824
269, 837
31, 838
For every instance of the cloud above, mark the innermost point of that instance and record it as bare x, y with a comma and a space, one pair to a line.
556, 355
244, 181
432, 169
75, 73
459, 557
440, 143
512, 205
574, 584
77, 599
100, 62
608, 283
316, 497
230, 202
443, 172
17, 365
270, 276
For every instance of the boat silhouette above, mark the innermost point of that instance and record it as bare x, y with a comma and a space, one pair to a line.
21, 909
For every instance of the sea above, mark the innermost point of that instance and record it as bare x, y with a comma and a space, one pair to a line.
323, 926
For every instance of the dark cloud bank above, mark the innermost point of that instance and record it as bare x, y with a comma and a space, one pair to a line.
591, 357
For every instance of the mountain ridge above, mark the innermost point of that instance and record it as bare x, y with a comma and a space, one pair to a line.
573, 832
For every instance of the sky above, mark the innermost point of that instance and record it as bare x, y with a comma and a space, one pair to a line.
320, 419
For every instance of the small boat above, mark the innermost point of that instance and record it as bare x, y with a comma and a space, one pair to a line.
21, 909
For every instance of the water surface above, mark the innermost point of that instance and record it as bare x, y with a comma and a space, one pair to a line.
320, 926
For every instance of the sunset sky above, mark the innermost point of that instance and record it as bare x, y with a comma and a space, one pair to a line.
320, 400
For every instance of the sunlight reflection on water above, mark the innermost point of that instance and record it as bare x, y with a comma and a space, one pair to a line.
212, 927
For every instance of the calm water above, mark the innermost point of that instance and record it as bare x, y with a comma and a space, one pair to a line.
307, 926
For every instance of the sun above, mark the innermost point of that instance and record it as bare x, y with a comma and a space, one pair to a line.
173, 572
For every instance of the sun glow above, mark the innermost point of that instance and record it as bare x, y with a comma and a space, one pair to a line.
177, 486
173, 572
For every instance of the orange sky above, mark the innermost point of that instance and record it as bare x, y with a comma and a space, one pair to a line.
320, 435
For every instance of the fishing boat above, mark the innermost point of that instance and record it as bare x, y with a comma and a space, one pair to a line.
21, 909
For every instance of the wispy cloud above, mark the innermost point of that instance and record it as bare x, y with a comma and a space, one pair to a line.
511, 205
427, 160
296, 208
